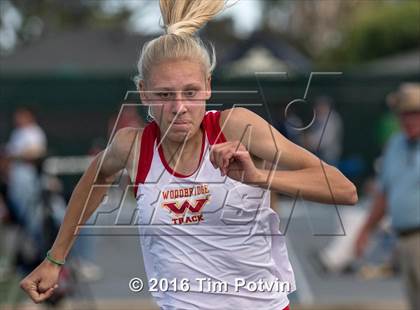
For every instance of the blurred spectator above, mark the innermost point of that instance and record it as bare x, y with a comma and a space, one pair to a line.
399, 189
386, 128
293, 128
26, 149
324, 137
338, 255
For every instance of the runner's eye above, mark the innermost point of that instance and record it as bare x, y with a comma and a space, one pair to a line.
190, 93
165, 95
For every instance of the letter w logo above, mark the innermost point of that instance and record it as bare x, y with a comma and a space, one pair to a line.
175, 208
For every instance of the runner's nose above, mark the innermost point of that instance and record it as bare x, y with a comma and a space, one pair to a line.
178, 105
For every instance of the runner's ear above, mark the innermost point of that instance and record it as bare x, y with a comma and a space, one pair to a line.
208, 88
142, 91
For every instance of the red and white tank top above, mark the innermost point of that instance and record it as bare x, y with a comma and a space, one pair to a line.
208, 229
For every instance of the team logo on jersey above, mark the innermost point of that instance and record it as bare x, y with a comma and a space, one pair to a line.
187, 210
180, 209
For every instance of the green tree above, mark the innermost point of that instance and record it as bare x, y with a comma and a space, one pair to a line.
377, 31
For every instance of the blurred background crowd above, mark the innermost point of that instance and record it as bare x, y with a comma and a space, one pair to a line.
341, 78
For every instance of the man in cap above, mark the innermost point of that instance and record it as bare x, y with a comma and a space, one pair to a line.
399, 189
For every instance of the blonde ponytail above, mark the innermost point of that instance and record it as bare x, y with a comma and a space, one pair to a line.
182, 19
188, 16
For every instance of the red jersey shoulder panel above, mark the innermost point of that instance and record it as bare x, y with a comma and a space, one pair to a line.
212, 127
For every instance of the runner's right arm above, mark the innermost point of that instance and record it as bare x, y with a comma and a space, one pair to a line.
84, 201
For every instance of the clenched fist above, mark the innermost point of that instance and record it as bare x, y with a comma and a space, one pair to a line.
234, 160
41, 282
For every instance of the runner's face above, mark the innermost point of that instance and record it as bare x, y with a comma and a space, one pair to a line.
177, 91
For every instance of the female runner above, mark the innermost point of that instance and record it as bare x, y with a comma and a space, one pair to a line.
201, 191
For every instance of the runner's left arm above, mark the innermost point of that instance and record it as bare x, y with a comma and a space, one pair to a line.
298, 171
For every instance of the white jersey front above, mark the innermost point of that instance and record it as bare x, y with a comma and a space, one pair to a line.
213, 237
